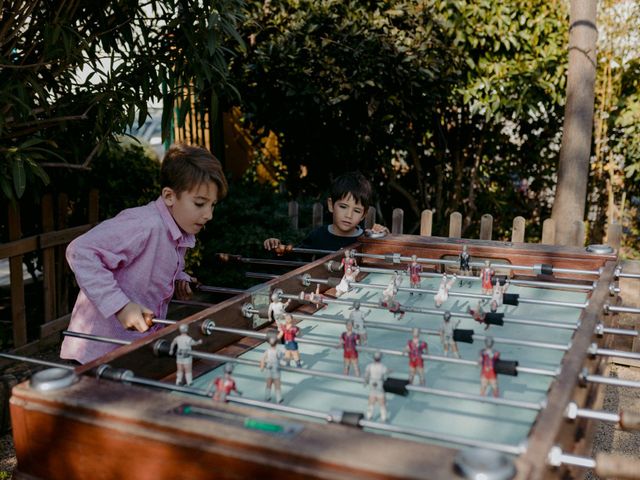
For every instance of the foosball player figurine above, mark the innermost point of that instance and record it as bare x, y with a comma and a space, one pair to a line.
357, 317
270, 363
350, 275
389, 294
416, 348
314, 297
182, 346
442, 294
447, 335
487, 361
349, 340
348, 261
288, 333
486, 318
464, 258
223, 386
374, 377
414, 270
497, 294
277, 308
486, 277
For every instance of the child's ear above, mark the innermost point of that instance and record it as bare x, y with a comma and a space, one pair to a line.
168, 196
330, 204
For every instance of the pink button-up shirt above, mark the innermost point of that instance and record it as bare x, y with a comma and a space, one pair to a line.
134, 257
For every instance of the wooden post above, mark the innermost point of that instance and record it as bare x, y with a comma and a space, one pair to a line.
62, 269
48, 262
18, 317
318, 212
426, 223
370, 219
486, 226
517, 234
293, 214
549, 232
614, 235
455, 225
397, 222
94, 204
580, 233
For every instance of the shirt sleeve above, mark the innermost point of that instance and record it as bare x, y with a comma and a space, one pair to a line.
183, 276
96, 256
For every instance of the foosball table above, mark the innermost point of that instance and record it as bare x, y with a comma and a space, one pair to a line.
124, 416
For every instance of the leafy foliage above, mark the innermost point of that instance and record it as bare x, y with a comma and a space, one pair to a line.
446, 104
74, 73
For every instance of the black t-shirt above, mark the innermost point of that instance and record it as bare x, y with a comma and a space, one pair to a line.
322, 239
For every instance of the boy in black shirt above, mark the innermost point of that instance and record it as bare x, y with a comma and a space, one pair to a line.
348, 202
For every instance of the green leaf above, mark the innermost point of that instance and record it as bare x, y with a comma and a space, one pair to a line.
19, 176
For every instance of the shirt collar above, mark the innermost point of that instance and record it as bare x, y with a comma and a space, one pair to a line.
183, 239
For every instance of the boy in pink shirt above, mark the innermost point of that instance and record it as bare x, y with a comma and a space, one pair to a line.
133, 263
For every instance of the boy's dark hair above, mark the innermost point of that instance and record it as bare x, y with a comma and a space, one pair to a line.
353, 183
187, 166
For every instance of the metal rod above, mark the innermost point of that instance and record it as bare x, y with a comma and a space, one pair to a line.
552, 346
456, 294
616, 353
260, 275
337, 376
475, 278
621, 274
620, 309
36, 361
432, 261
230, 291
373, 349
618, 382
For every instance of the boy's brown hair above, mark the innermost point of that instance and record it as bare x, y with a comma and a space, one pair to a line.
187, 166
353, 183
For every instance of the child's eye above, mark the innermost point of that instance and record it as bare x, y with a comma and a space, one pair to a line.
199, 204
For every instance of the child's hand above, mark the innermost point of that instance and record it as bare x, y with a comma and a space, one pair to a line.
183, 289
377, 230
271, 243
131, 318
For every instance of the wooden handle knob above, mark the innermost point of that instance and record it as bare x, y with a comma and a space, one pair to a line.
148, 318
282, 249
617, 466
629, 420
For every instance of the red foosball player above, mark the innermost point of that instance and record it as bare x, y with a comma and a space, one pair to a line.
486, 277
487, 361
414, 270
223, 386
479, 315
182, 346
349, 340
416, 348
288, 332
348, 261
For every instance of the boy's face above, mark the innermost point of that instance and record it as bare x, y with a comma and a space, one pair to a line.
193, 208
347, 214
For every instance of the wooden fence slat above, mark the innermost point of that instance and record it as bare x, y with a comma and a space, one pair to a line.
614, 235
62, 269
94, 203
48, 262
517, 234
580, 233
548, 232
455, 225
18, 317
317, 217
426, 223
397, 222
294, 210
370, 218
486, 226
19, 247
